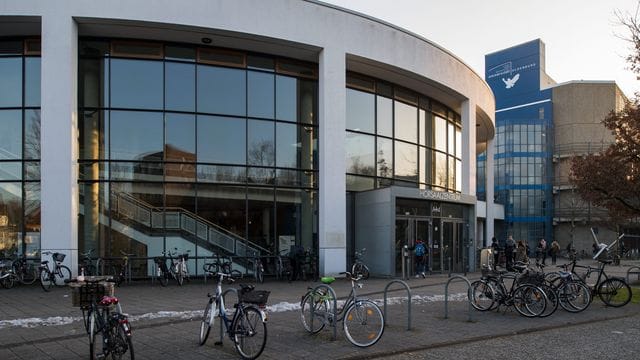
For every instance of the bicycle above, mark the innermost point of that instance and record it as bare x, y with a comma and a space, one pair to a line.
258, 270
108, 328
247, 328
56, 275
491, 292
284, 268
224, 266
359, 266
86, 266
309, 267
123, 273
26, 272
362, 319
7, 276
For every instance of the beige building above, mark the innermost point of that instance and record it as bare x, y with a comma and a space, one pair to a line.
578, 110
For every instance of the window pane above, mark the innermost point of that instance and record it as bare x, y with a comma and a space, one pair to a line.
10, 171
92, 136
451, 168
136, 84
384, 116
384, 159
225, 207
441, 169
93, 82
286, 98
440, 133
136, 135
32, 170
405, 122
221, 140
360, 151
426, 165
32, 134
458, 142
458, 175
406, 161
295, 178
287, 145
261, 94
221, 90
11, 218
296, 219
260, 216
261, 176
137, 171
32, 217
32, 81
359, 183
223, 174
360, 111
180, 137
260, 147
179, 53
11, 84
180, 87
11, 134
307, 101
451, 139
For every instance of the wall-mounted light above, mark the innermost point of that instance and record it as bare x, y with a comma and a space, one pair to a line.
206, 40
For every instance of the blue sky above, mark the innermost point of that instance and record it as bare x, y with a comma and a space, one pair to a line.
584, 39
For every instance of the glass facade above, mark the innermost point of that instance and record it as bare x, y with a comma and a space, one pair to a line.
19, 147
397, 137
201, 149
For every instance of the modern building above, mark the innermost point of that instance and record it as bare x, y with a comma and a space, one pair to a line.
237, 128
540, 125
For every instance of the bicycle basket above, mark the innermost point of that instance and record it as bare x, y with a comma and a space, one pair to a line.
59, 257
83, 294
259, 297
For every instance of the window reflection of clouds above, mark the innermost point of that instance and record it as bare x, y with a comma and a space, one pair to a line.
360, 151
136, 135
136, 84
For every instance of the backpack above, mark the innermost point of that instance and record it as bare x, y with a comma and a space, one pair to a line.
420, 250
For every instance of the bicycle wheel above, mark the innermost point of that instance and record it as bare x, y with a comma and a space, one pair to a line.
313, 309
46, 279
249, 333
529, 300
360, 269
481, 295
120, 344
163, 277
552, 300
61, 274
8, 280
363, 323
574, 296
95, 337
614, 292
179, 275
28, 275
208, 318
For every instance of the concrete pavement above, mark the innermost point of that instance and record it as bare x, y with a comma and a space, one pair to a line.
38, 325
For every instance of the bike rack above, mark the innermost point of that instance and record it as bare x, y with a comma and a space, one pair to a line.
446, 295
224, 293
408, 302
636, 271
334, 308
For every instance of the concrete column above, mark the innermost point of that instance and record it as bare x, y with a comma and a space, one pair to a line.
490, 186
468, 147
59, 134
332, 226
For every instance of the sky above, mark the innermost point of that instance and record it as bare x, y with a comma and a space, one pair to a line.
584, 38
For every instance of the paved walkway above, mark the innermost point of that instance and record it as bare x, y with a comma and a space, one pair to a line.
38, 325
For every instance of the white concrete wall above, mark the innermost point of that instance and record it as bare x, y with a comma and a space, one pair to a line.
300, 24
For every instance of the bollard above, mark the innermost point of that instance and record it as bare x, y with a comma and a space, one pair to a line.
408, 302
446, 295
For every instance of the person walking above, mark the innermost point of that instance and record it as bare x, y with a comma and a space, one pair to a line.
420, 251
496, 252
554, 250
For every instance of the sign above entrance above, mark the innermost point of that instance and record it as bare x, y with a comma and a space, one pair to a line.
439, 195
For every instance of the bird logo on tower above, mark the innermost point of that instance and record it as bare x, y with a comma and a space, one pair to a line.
511, 82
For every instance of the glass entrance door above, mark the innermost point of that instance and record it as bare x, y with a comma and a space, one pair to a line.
408, 230
453, 252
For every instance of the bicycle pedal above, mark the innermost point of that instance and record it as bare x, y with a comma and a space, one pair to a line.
218, 343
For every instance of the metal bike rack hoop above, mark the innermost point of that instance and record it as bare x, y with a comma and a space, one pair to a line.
333, 308
406, 286
446, 295
635, 270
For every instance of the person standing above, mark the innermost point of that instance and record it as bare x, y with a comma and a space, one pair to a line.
496, 252
541, 252
510, 247
521, 252
554, 250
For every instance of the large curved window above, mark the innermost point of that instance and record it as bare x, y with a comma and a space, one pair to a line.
201, 149
20, 147
415, 141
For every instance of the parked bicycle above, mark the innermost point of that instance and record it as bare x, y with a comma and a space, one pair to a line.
177, 268
492, 291
362, 319
108, 328
85, 265
57, 274
284, 268
123, 272
7, 276
359, 266
247, 327
309, 266
224, 265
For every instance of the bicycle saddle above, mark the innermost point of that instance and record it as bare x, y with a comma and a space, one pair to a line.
327, 279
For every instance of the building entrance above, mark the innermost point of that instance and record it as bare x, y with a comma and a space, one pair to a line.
450, 235
408, 230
